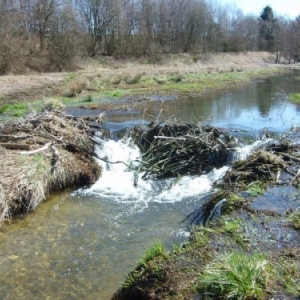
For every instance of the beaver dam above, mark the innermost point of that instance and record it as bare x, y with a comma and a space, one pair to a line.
253, 209
52, 150
41, 154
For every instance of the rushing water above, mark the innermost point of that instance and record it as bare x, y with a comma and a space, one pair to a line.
81, 244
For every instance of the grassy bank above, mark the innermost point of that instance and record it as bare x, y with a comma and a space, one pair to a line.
250, 252
107, 95
105, 84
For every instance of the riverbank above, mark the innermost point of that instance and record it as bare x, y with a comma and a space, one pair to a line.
43, 153
250, 252
112, 84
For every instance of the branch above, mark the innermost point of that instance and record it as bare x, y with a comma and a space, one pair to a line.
170, 138
15, 136
15, 146
37, 150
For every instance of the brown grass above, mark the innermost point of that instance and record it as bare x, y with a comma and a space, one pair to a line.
34, 86
26, 177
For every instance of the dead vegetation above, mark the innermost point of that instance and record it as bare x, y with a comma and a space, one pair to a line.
107, 72
43, 153
173, 149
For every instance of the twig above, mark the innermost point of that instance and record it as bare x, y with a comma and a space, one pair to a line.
170, 138
46, 146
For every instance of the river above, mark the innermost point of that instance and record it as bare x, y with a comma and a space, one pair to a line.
80, 244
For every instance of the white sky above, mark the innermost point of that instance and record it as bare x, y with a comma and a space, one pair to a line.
290, 8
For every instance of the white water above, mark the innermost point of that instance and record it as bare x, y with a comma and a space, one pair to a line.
117, 180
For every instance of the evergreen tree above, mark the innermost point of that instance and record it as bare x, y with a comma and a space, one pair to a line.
267, 30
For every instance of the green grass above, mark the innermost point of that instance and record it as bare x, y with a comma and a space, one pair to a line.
233, 201
288, 275
201, 237
234, 276
256, 189
176, 78
130, 282
157, 249
295, 98
15, 110
114, 94
88, 98
230, 226
294, 219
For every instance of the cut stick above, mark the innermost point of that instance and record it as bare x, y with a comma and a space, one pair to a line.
45, 147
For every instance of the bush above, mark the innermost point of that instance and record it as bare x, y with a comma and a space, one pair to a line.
5, 59
61, 52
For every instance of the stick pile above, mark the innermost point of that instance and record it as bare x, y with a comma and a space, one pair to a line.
42, 153
178, 149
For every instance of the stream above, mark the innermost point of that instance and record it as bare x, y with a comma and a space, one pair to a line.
80, 244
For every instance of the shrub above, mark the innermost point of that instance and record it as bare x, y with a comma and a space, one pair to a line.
5, 59
61, 52
133, 79
51, 104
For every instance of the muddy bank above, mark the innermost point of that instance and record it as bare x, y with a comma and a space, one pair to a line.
43, 153
249, 228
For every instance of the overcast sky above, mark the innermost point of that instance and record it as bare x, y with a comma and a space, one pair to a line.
289, 8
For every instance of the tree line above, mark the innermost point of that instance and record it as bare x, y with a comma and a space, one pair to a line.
46, 35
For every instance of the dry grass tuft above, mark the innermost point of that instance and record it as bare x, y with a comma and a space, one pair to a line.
58, 154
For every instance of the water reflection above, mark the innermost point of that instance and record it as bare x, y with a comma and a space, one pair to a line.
263, 104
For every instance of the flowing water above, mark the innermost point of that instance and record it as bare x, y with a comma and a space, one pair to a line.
81, 244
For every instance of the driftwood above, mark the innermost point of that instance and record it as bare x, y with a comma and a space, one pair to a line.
176, 149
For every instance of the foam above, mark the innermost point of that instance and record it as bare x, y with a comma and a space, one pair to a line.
117, 180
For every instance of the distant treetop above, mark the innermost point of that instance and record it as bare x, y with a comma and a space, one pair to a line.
267, 14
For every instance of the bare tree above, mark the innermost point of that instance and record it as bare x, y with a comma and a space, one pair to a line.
97, 16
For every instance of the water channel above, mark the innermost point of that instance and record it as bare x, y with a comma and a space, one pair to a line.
80, 244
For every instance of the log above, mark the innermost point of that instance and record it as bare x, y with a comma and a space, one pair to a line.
15, 146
